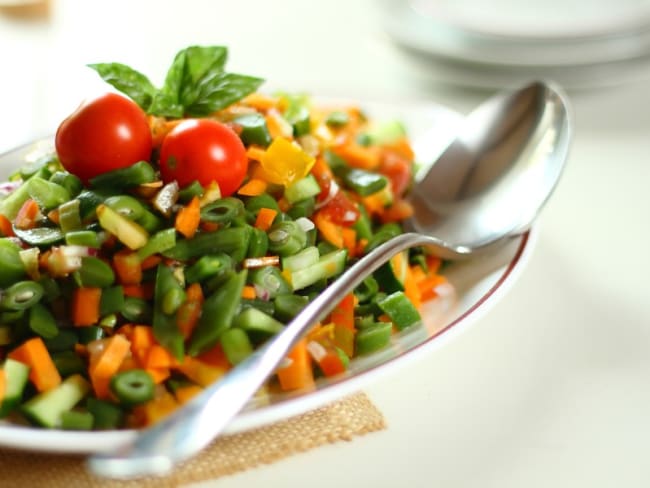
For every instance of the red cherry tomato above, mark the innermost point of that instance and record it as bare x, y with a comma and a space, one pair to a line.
106, 133
204, 150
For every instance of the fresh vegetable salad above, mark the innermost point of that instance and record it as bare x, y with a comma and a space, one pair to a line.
175, 229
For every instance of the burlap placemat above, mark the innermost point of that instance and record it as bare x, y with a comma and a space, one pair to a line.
343, 420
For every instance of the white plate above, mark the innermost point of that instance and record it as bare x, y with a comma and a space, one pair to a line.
520, 33
478, 284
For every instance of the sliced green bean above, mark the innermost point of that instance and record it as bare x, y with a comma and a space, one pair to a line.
136, 174
41, 321
133, 387
69, 216
165, 328
208, 266
232, 241
224, 211
286, 238
95, 272
236, 345
21, 295
86, 238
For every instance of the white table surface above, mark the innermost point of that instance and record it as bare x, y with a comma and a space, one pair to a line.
552, 387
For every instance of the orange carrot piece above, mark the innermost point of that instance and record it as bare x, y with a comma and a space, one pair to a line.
144, 291
158, 358
53, 215
331, 364
411, 288
159, 408
128, 268
261, 101
150, 262
359, 156
428, 286
248, 292
253, 187
3, 385
158, 374
26, 217
189, 312
265, 218
6, 228
185, 393
199, 372
215, 357
108, 363
255, 153
398, 211
328, 229
343, 313
85, 306
299, 373
42, 371
188, 218
349, 236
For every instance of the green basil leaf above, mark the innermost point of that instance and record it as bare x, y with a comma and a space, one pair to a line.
219, 91
166, 106
201, 62
127, 80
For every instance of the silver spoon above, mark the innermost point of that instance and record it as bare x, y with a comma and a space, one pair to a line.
486, 187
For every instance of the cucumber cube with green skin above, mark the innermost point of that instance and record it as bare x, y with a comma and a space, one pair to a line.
16, 376
400, 309
327, 266
128, 232
46, 408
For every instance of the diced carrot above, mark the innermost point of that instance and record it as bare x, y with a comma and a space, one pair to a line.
330, 231
331, 364
142, 340
159, 408
150, 262
107, 363
261, 101
188, 218
158, 374
299, 373
209, 226
398, 211
428, 286
127, 266
248, 292
85, 306
158, 357
3, 385
6, 229
189, 312
411, 288
265, 218
216, 357
26, 217
253, 187
42, 371
255, 153
433, 263
129, 363
343, 313
344, 339
144, 290
349, 236
53, 215
199, 372
184, 394
359, 156
402, 147
277, 125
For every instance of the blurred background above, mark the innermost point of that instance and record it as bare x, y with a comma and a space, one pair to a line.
442, 51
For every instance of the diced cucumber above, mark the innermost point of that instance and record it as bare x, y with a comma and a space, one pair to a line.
254, 320
327, 266
16, 376
128, 232
46, 408
301, 259
400, 310
303, 188
253, 129
392, 274
373, 338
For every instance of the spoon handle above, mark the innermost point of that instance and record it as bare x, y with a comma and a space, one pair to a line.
183, 434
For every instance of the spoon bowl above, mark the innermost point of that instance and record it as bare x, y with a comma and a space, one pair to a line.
496, 176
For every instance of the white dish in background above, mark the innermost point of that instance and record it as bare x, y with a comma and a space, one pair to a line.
514, 40
477, 285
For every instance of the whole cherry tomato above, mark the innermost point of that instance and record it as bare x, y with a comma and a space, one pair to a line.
105, 133
204, 150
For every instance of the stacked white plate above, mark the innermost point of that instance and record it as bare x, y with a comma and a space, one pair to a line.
478, 42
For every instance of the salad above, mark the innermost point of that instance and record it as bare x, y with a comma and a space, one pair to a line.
175, 229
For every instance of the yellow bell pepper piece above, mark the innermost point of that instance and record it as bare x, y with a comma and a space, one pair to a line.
284, 162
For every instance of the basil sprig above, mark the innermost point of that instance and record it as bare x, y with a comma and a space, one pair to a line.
195, 85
